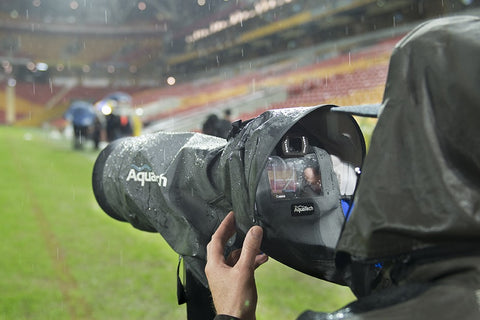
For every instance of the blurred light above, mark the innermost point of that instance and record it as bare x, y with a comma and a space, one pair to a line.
171, 80
30, 66
467, 2
36, 3
12, 82
142, 6
106, 109
86, 68
235, 18
7, 66
42, 66
139, 112
111, 69
14, 14
74, 5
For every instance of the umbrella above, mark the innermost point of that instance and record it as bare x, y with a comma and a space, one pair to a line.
80, 113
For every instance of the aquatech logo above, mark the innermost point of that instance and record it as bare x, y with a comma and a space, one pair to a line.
303, 209
145, 174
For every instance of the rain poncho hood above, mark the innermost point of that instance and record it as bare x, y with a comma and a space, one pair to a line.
412, 243
419, 193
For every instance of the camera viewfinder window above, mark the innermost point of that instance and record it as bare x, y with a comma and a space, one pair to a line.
294, 177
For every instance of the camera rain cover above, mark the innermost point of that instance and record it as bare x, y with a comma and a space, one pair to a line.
298, 165
182, 185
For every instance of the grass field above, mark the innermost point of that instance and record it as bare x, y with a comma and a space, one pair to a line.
61, 257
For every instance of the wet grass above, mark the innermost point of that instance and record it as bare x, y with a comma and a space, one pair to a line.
61, 257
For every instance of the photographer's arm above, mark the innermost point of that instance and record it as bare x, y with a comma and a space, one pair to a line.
232, 281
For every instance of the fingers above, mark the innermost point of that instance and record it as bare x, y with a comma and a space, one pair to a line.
233, 257
260, 259
225, 231
251, 248
249, 256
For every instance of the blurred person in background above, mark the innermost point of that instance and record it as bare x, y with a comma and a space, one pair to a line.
225, 124
119, 116
96, 132
215, 126
210, 125
411, 247
81, 115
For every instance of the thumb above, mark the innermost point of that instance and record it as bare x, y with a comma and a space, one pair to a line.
251, 247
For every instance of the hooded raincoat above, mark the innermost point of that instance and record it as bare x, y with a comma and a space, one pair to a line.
412, 244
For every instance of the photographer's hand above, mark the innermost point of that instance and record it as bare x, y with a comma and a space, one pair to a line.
232, 281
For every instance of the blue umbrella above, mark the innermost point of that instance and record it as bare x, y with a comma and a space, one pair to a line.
81, 113
119, 96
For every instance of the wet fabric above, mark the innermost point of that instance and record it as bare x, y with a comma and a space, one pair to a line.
421, 180
183, 184
412, 242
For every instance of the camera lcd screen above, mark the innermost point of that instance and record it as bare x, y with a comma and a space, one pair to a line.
292, 178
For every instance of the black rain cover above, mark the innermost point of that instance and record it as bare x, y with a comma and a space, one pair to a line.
183, 184
420, 187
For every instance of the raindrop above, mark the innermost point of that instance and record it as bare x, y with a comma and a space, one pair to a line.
243, 53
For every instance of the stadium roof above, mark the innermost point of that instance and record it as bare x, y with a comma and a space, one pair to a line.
152, 38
